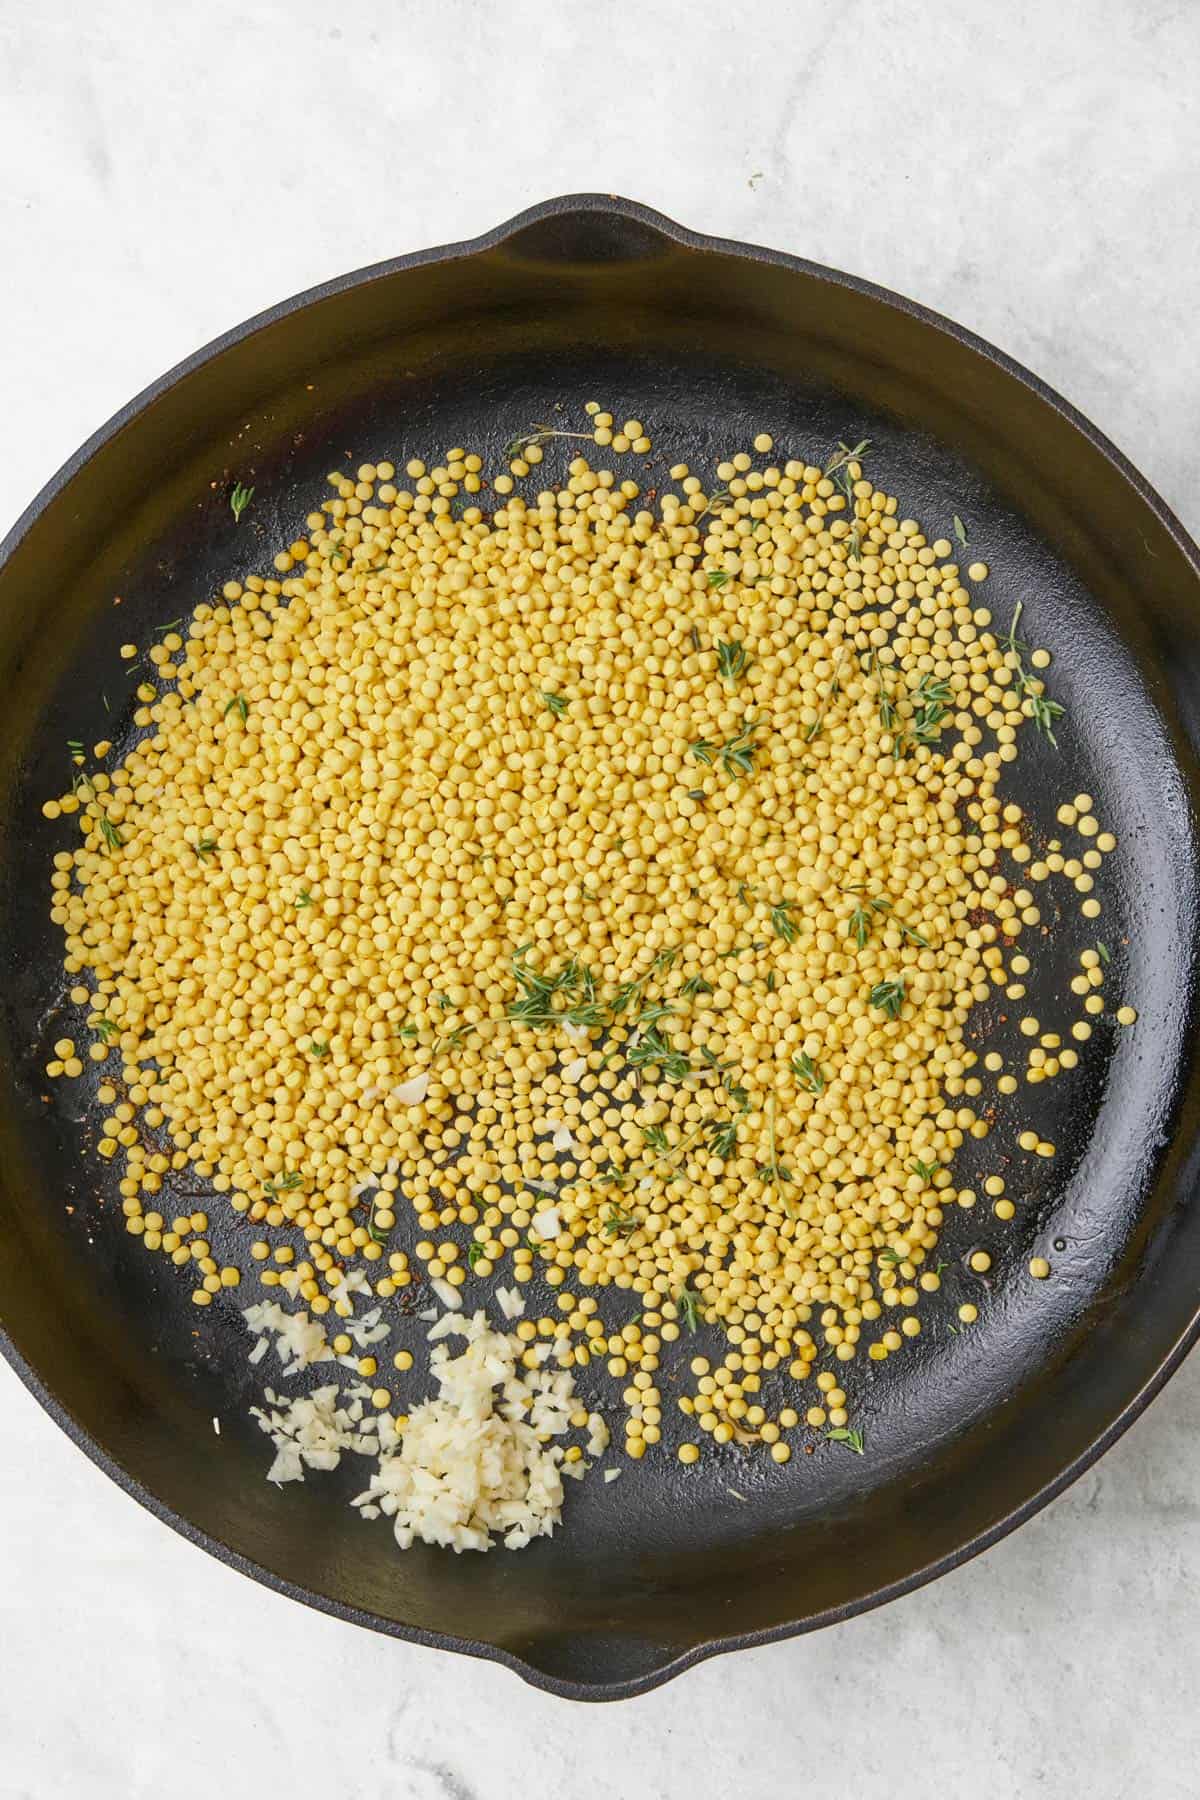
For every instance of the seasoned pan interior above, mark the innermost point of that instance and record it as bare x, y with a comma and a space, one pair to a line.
707, 346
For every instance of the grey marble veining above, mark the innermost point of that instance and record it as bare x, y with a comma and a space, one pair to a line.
1029, 170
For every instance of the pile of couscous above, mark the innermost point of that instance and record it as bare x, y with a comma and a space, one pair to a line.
555, 888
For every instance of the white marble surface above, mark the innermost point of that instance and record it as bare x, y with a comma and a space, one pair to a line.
170, 169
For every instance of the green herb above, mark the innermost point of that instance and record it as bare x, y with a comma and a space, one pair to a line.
722, 1137
862, 919
741, 950
105, 1029
808, 1073
651, 1013
238, 702
303, 898
932, 700
884, 701
618, 1223
557, 704
475, 1255
689, 1307
732, 661
842, 1434
74, 746
835, 688
318, 1049
665, 959
1042, 710
772, 984
892, 1257
714, 500
773, 1171
925, 1170
1103, 952
717, 578
960, 532
782, 922
654, 1137
286, 1184
575, 984
409, 1033
888, 996
443, 1002
696, 984
538, 435
109, 832
375, 1231
736, 755
694, 638
206, 847
239, 500
651, 1049
844, 454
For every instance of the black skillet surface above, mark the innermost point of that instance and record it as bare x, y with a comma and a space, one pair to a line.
966, 1434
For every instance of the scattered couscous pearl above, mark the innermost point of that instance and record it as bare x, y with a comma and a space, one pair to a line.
128, 651
1039, 1268
968, 1313
689, 1453
978, 571
763, 443
781, 1453
1126, 1015
980, 1261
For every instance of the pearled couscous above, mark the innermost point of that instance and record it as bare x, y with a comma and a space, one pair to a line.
570, 887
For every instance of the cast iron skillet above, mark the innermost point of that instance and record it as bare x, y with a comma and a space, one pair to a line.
706, 341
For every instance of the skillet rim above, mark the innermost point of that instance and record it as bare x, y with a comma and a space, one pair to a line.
582, 206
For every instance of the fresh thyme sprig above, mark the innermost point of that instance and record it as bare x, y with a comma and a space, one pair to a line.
844, 454
835, 688
808, 1073
109, 832
782, 923
844, 1434
287, 1184
722, 1137
694, 985
718, 578
888, 996
732, 661
651, 1049
863, 918
1042, 710
960, 532
773, 1172
239, 500
688, 1306
736, 755
238, 703
931, 700
556, 704
538, 435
